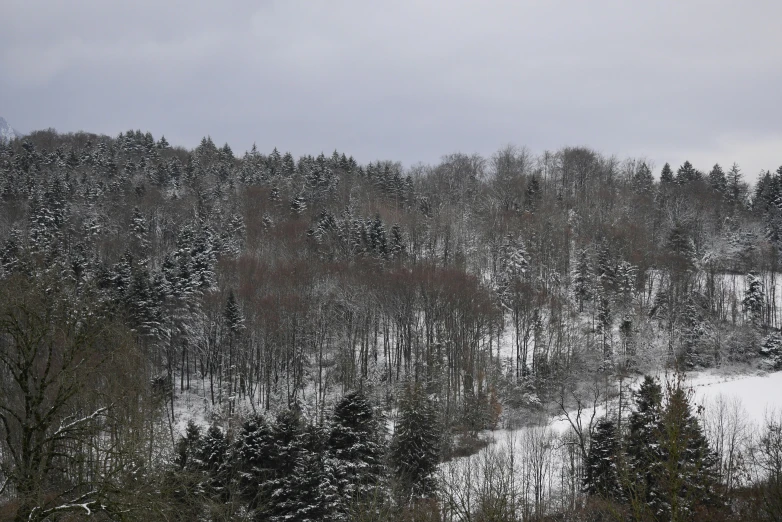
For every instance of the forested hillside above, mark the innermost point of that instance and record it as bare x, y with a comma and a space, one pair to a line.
347, 327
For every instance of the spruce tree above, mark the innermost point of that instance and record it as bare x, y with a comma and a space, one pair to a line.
688, 476
234, 319
717, 179
355, 443
415, 445
397, 247
754, 299
601, 476
644, 455
188, 447
680, 249
736, 188
687, 174
666, 175
309, 493
252, 453
213, 448
643, 180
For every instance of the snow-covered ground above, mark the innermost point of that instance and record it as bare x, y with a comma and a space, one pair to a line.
758, 395
538, 457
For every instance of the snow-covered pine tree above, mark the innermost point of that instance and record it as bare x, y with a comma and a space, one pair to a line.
309, 493
298, 205
355, 441
644, 455
288, 165
754, 299
688, 475
736, 189
687, 174
601, 474
666, 175
643, 180
138, 229
771, 351
188, 448
377, 238
234, 319
415, 445
213, 452
252, 457
717, 179
397, 247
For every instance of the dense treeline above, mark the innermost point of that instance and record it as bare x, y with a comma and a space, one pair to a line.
267, 283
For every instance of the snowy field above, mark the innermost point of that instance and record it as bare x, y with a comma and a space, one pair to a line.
535, 459
758, 395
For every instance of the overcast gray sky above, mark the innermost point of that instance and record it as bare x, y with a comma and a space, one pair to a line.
407, 80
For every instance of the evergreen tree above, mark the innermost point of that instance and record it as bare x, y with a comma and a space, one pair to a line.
377, 238
234, 319
415, 445
736, 188
643, 180
213, 451
754, 299
605, 324
672, 471
253, 455
286, 432
666, 175
689, 472
397, 247
644, 455
687, 174
188, 448
309, 493
288, 165
298, 205
771, 351
765, 195
717, 179
513, 268
601, 476
11, 252
138, 228
355, 443
680, 249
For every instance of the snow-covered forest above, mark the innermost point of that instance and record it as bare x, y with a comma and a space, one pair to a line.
205, 335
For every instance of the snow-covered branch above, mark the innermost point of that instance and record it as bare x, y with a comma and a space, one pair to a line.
67, 427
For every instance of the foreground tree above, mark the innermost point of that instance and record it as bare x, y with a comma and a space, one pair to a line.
602, 466
56, 406
355, 444
689, 473
672, 471
415, 446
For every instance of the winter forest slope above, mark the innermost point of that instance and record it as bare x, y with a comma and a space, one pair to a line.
473, 292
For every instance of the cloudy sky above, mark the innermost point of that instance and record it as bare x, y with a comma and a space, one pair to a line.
407, 80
